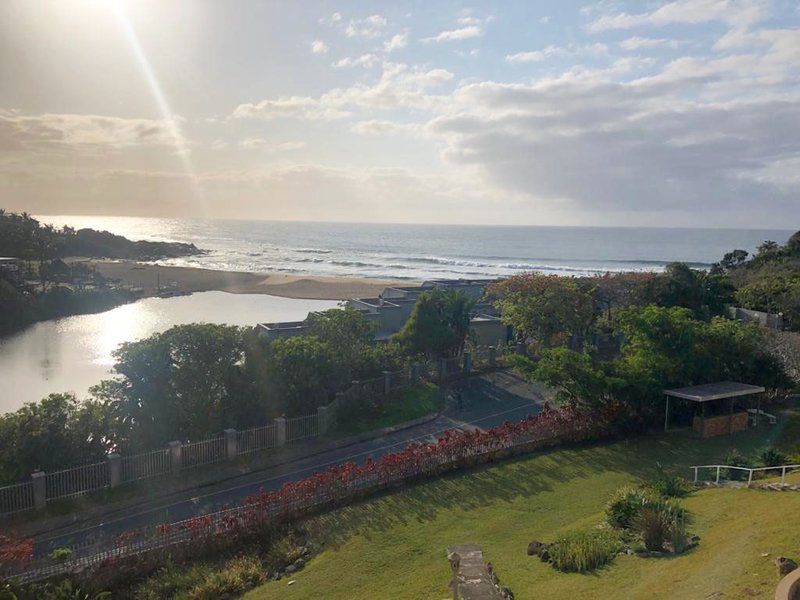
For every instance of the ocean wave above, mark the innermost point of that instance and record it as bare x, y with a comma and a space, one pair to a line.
312, 251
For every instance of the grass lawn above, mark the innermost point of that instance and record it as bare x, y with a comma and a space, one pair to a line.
393, 546
408, 404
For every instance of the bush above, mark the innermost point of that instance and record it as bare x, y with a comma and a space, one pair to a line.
735, 459
670, 486
582, 551
771, 457
659, 522
626, 504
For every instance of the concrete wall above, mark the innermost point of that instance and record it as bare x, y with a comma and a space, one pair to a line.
488, 331
765, 319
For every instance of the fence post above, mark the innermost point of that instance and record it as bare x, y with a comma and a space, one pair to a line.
750, 478
492, 357
39, 489
717, 473
231, 445
114, 469
442, 369
323, 418
467, 363
387, 382
175, 448
783, 474
414, 372
695, 474
280, 431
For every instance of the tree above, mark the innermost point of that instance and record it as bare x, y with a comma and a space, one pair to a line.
575, 377
54, 433
545, 308
349, 333
184, 383
303, 373
438, 325
732, 260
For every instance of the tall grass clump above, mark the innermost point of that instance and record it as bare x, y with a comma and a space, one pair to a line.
582, 551
670, 485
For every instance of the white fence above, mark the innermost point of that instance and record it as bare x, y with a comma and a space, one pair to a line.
256, 439
147, 465
117, 470
724, 471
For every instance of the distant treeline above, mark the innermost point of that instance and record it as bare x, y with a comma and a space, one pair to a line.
22, 236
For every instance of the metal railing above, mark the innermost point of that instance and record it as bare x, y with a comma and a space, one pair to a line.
76, 481
723, 471
302, 428
255, 439
145, 466
16, 498
201, 453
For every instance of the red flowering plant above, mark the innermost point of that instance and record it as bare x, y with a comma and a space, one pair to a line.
15, 552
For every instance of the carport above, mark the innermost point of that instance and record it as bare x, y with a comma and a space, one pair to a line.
715, 406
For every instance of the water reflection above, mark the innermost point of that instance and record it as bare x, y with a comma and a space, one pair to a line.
74, 353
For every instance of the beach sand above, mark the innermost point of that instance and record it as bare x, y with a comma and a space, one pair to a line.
188, 279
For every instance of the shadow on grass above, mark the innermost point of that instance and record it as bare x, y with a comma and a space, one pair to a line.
525, 476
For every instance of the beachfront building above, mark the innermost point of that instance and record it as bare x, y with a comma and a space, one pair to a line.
391, 309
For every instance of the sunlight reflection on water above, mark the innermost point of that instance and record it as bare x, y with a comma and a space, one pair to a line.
74, 353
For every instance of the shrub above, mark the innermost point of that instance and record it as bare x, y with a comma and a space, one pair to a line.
670, 485
771, 457
582, 551
659, 522
735, 459
626, 504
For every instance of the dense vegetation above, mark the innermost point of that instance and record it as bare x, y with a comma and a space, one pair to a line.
24, 237
769, 280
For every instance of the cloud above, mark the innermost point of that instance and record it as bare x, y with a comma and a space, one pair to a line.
399, 86
544, 20
266, 145
396, 42
637, 43
19, 131
365, 60
462, 33
557, 51
319, 47
379, 127
733, 12
369, 27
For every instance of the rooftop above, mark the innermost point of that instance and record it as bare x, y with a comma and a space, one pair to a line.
714, 391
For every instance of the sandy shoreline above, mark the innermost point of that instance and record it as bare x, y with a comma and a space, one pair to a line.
190, 279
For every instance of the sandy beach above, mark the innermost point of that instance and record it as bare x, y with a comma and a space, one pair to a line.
187, 279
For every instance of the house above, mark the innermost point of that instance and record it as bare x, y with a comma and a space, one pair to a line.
392, 308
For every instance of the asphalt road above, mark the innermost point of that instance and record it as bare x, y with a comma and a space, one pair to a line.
486, 401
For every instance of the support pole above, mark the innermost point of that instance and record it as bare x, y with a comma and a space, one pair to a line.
666, 416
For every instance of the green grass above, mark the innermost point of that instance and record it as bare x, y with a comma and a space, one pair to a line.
393, 546
410, 403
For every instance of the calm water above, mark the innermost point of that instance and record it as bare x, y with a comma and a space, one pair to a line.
429, 251
74, 353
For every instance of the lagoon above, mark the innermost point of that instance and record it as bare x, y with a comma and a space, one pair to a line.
75, 353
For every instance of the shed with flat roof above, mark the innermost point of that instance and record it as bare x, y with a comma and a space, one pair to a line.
711, 397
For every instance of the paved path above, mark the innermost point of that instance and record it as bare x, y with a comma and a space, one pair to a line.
487, 401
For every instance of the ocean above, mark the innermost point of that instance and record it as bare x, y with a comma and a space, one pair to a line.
418, 252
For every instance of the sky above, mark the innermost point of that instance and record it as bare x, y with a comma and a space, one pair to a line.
554, 112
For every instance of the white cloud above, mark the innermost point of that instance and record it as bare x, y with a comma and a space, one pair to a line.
365, 60
379, 127
369, 27
396, 42
557, 51
53, 130
291, 106
319, 47
544, 20
255, 143
637, 43
463, 33
733, 12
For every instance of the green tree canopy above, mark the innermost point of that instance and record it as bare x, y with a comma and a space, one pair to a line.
438, 325
545, 308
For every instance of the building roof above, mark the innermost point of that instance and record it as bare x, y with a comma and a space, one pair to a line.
714, 391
